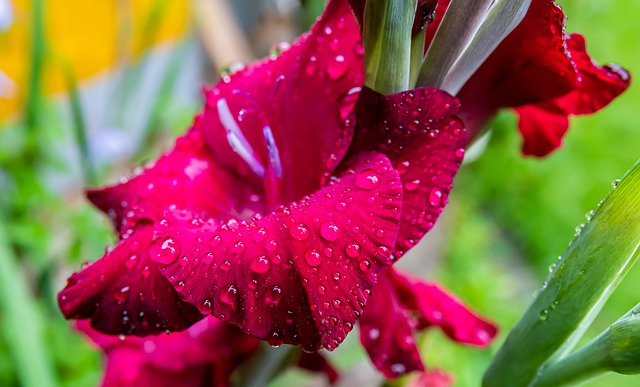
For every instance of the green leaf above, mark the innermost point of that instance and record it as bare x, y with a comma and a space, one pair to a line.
22, 322
585, 276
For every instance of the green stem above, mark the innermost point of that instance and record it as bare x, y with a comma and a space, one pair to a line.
588, 272
584, 364
33, 101
266, 366
417, 56
387, 44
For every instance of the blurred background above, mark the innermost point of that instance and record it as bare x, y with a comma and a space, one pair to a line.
89, 89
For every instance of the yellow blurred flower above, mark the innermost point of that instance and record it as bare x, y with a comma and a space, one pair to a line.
92, 36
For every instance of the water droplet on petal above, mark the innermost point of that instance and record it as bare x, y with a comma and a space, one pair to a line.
329, 231
352, 250
260, 265
206, 306
435, 197
337, 68
164, 250
299, 232
131, 262
365, 265
412, 185
368, 179
274, 294
121, 294
313, 257
230, 295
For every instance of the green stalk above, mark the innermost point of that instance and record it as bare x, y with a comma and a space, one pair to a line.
387, 44
587, 273
616, 349
21, 321
417, 56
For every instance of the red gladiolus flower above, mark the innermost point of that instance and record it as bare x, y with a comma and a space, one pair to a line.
204, 355
401, 305
546, 75
278, 208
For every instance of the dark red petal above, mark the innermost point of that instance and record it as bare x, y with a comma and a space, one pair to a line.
185, 177
303, 97
433, 378
315, 362
531, 65
599, 85
441, 309
301, 274
387, 325
207, 352
386, 331
542, 129
123, 293
425, 143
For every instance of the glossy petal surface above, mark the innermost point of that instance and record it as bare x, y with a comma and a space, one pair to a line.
400, 305
300, 274
419, 133
290, 116
205, 354
124, 293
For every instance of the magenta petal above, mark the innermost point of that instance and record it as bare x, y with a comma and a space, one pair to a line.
444, 310
302, 99
123, 293
542, 127
300, 274
386, 331
205, 354
400, 305
187, 177
425, 143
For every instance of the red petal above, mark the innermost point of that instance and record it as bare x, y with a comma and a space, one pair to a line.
443, 310
542, 129
124, 293
315, 362
386, 331
209, 349
425, 143
304, 97
386, 328
186, 177
539, 65
301, 274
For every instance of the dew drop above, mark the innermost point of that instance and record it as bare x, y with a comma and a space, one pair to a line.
329, 231
131, 262
337, 68
365, 265
352, 249
274, 294
121, 294
368, 179
271, 245
165, 250
260, 265
544, 314
313, 257
435, 197
205, 306
230, 295
180, 286
299, 232
412, 185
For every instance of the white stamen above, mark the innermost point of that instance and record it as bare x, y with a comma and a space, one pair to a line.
237, 140
272, 149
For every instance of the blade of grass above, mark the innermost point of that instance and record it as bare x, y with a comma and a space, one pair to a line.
22, 322
33, 103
